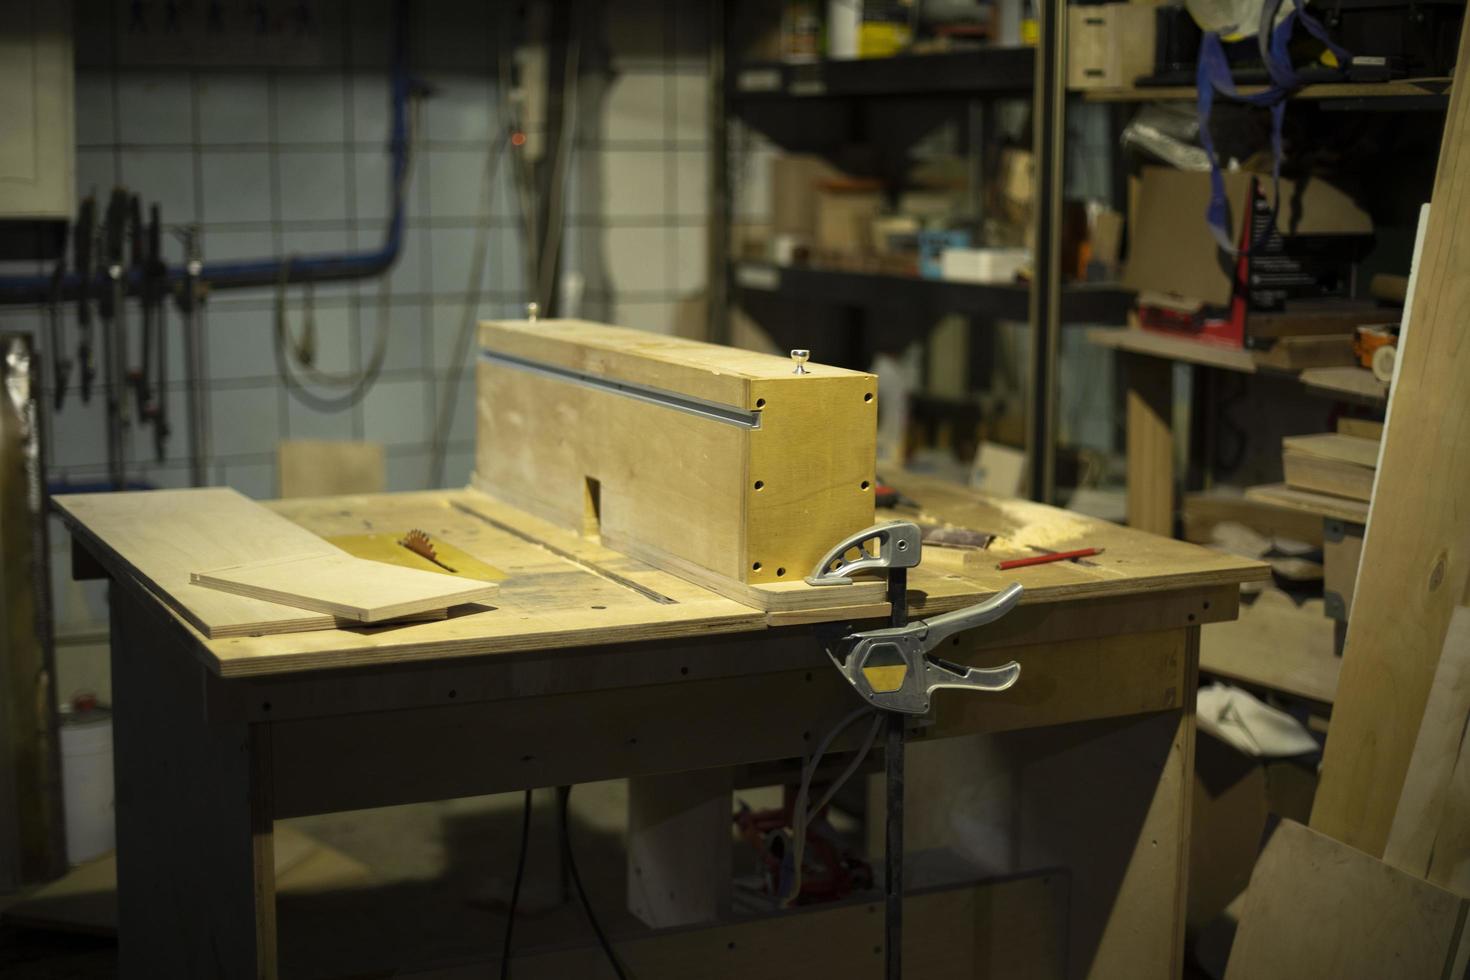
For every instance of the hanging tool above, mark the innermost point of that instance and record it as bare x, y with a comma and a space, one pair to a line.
114, 336
82, 246
894, 670
138, 376
155, 288
190, 299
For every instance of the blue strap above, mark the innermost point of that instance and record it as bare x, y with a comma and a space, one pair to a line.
1213, 74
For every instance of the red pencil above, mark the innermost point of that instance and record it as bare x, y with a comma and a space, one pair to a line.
1045, 559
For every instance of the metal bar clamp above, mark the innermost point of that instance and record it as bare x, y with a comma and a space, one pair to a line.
894, 669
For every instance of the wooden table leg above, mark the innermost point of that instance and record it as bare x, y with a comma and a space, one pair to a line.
1150, 443
196, 884
679, 869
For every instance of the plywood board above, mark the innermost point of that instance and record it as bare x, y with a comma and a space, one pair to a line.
1430, 836
1319, 908
1329, 476
343, 585
565, 590
324, 468
1309, 502
1337, 446
162, 536
1416, 551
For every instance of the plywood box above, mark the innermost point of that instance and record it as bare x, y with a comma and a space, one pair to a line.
719, 464
1109, 45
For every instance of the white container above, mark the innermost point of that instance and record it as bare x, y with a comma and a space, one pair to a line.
86, 783
992, 265
844, 19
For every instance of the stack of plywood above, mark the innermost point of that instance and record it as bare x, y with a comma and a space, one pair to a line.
1333, 463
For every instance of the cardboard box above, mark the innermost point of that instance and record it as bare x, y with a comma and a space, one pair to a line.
794, 179
846, 208
1109, 45
1171, 249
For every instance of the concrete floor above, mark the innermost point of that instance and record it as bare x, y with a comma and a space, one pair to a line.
441, 873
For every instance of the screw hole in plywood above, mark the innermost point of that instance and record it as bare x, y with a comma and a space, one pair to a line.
867, 396
866, 484
760, 403
755, 567
760, 484
780, 572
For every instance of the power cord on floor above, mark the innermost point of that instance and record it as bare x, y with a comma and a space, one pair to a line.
564, 796
515, 888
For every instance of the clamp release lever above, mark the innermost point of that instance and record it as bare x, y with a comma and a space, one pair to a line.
895, 669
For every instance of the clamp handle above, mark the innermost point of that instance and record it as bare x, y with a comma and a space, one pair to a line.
942, 627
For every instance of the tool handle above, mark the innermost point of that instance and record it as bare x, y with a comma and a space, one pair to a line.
941, 628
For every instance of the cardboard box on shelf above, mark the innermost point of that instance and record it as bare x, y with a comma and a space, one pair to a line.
1172, 252
794, 179
846, 208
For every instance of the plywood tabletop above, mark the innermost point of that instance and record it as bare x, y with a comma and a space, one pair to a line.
563, 590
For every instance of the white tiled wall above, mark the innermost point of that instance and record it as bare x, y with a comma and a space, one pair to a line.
277, 160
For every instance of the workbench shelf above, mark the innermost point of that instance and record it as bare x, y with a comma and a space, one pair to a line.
1082, 303
994, 70
1419, 94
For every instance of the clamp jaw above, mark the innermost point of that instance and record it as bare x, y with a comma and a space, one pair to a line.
894, 668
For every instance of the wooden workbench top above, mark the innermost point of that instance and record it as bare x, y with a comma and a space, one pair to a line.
562, 590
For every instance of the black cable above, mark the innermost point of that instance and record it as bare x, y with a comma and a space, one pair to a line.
515, 888
564, 796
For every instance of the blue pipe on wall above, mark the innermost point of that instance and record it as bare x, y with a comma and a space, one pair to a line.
240, 274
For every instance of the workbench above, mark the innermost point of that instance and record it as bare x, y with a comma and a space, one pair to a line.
592, 665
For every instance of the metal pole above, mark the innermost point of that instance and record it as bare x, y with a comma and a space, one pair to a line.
1048, 135
893, 778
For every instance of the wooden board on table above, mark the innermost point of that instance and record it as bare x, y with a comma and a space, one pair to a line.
343, 585
1330, 476
1131, 561
1319, 908
1309, 502
160, 537
559, 590
1430, 836
1416, 551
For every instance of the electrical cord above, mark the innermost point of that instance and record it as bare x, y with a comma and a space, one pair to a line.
789, 887
515, 888
564, 796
